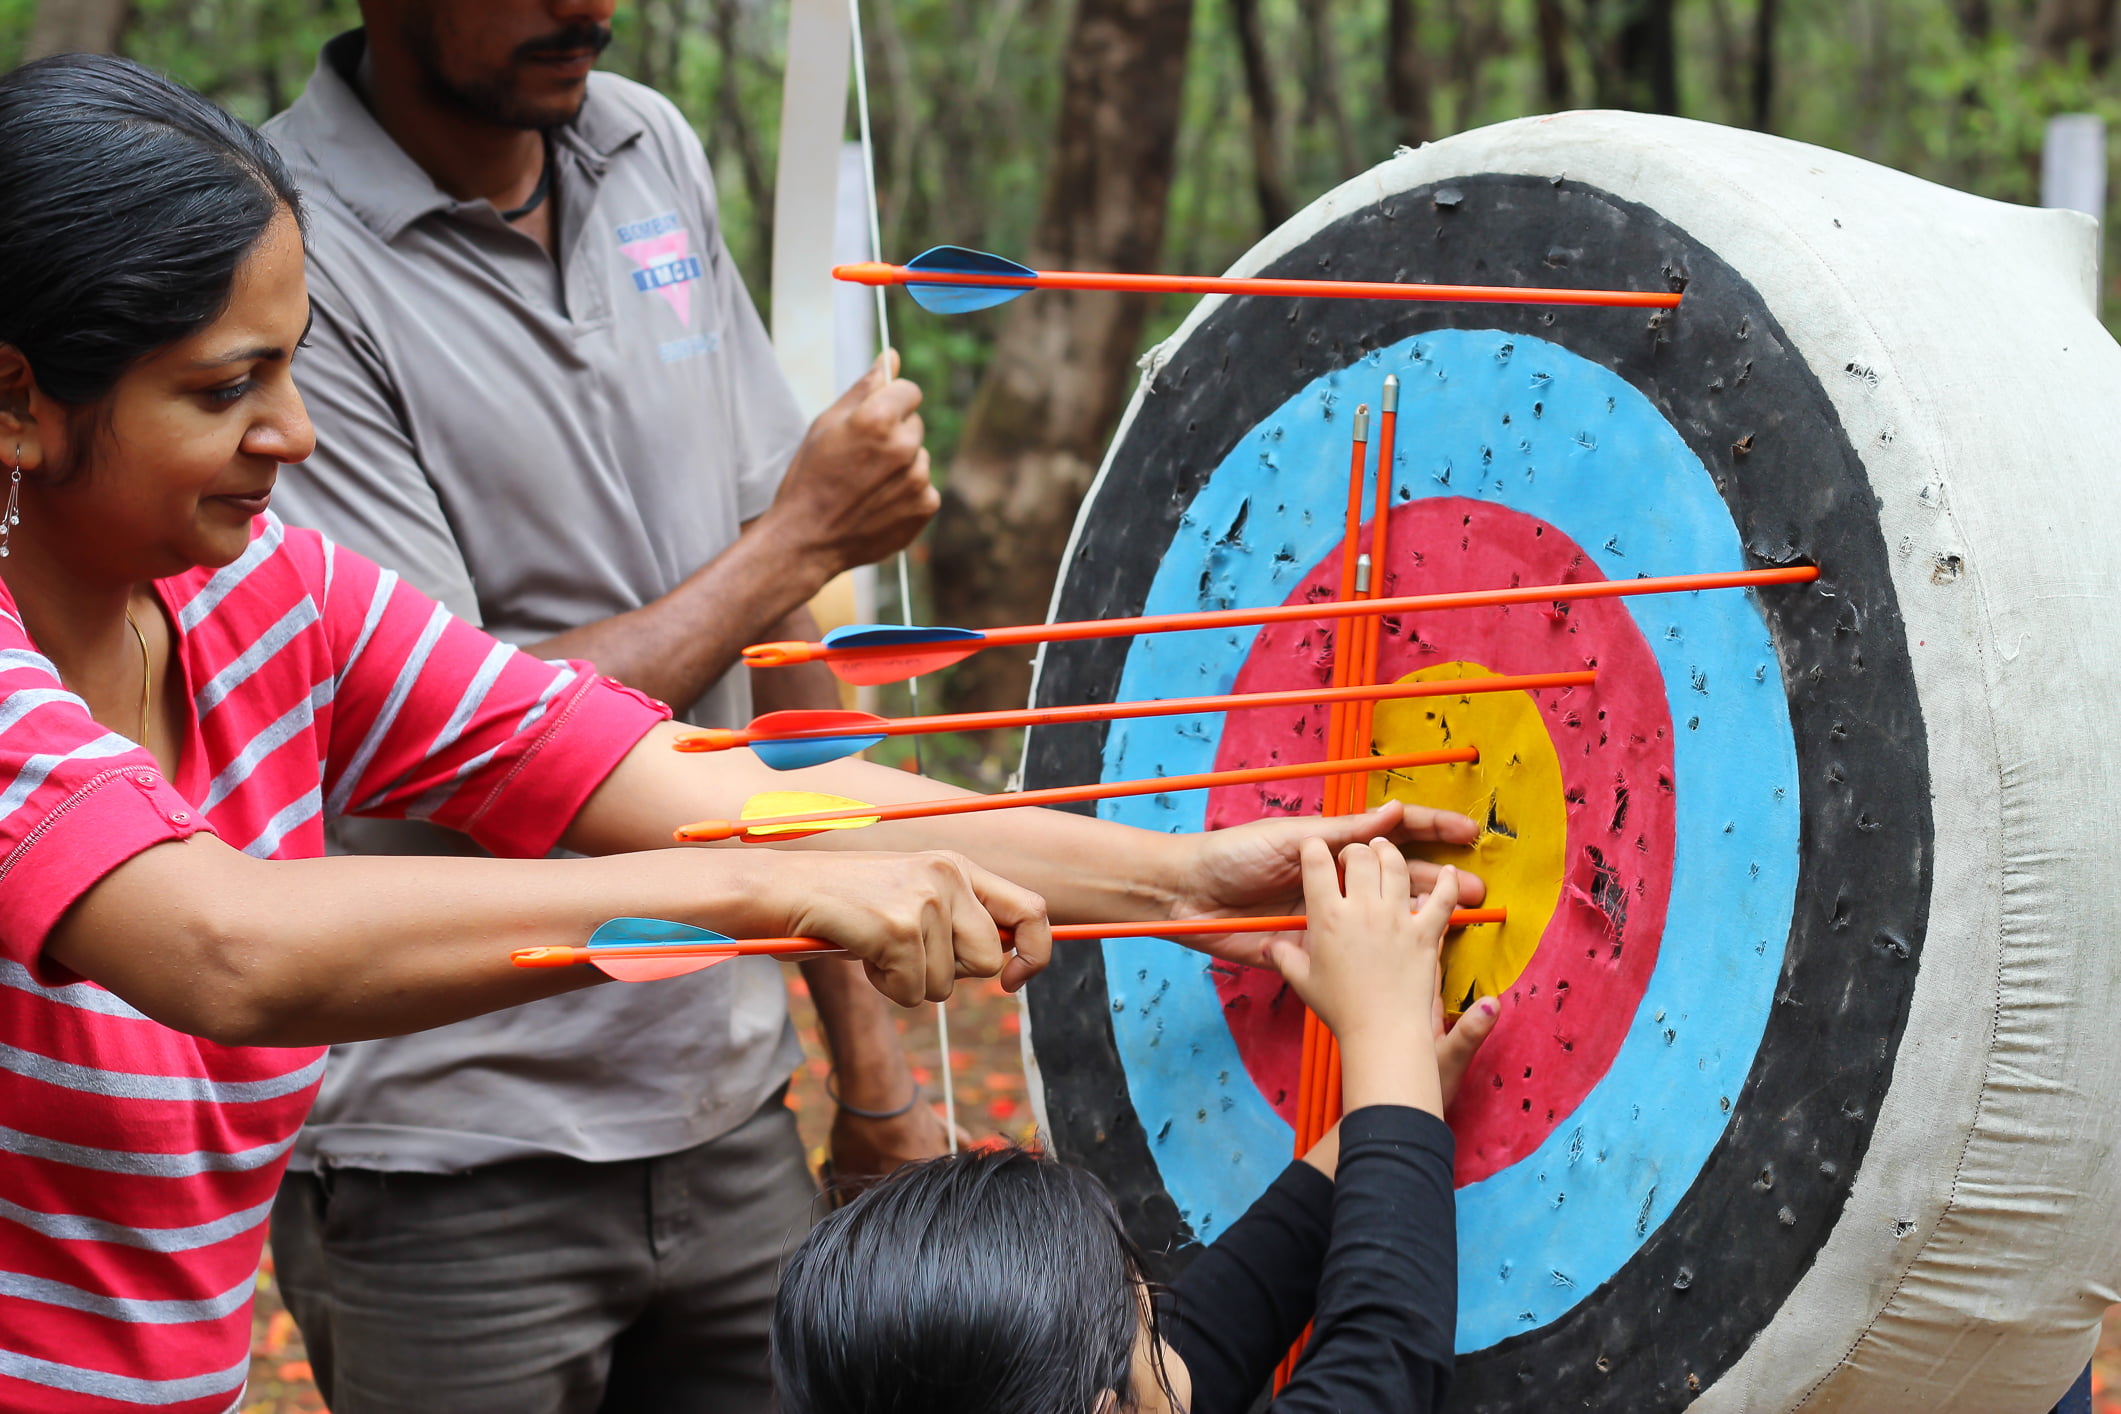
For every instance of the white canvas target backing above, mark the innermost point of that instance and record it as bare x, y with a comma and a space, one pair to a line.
1804, 1095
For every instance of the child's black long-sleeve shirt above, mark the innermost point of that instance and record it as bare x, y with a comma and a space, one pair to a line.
1370, 1258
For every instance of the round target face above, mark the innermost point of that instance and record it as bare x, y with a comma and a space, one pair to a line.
1715, 858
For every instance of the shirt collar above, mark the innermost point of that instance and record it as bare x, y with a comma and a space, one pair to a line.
382, 186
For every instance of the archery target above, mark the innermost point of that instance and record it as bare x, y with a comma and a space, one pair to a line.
1720, 859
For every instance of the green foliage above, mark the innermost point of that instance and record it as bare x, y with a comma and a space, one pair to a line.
966, 94
15, 19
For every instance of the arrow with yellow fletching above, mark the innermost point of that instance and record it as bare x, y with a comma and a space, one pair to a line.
786, 815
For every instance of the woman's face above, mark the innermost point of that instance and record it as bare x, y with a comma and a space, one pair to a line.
170, 470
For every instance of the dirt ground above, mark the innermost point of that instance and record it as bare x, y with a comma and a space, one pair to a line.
989, 1075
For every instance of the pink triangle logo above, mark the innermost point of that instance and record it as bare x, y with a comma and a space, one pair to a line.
666, 269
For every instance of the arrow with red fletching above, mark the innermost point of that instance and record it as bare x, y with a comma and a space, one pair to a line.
649, 949
950, 279
879, 653
808, 737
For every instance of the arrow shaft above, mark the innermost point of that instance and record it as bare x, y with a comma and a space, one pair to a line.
1405, 604
1371, 627
1338, 717
777, 655
1062, 932
875, 274
708, 831
721, 739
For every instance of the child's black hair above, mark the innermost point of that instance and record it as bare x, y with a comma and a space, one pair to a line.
127, 202
983, 1283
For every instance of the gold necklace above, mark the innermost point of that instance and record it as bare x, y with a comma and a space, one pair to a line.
146, 673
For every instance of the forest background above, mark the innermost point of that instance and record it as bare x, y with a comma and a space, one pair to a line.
1172, 134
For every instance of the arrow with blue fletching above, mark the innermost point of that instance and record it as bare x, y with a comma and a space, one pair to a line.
649, 949
789, 740
880, 653
953, 280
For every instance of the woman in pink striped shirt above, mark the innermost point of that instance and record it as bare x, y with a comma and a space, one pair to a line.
189, 689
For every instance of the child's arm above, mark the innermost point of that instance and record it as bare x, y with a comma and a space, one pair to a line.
1455, 1046
1387, 1299
1246, 1297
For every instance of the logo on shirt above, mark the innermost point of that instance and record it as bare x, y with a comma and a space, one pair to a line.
661, 249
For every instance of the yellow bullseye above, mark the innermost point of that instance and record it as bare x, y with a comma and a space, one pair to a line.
1514, 791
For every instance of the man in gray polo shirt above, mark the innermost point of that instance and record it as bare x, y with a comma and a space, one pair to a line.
543, 396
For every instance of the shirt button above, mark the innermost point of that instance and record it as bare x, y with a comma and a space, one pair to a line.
180, 817
145, 778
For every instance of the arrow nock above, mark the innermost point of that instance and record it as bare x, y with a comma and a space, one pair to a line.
707, 739
786, 654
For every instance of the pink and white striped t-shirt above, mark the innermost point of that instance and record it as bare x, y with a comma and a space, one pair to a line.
138, 1164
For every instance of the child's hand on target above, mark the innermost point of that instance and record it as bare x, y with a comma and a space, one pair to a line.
1368, 966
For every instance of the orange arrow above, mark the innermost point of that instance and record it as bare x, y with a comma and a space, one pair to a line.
1020, 279
855, 814
907, 657
820, 725
818, 947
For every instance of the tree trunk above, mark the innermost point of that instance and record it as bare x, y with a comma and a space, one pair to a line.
1268, 182
77, 27
1764, 67
729, 109
1406, 82
1637, 58
1322, 96
2062, 25
1037, 428
1554, 56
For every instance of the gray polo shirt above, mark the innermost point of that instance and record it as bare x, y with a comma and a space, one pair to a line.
539, 445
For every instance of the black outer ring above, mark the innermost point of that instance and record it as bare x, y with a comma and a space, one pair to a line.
1725, 375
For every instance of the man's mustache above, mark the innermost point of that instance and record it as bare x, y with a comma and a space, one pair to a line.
572, 40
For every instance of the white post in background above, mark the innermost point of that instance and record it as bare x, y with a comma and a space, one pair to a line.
853, 334
806, 198
818, 191
2073, 173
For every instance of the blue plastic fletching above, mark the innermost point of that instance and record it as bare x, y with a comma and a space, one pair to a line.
648, 933
896, 635
811, 751
963, 299
810, 736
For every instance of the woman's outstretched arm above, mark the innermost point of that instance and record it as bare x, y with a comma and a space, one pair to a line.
205, 939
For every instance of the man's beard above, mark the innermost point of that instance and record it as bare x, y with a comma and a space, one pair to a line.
495, 99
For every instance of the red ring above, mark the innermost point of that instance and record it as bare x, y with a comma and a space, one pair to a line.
1568, 1012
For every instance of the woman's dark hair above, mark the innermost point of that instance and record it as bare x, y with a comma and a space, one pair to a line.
984, 1283
126, 204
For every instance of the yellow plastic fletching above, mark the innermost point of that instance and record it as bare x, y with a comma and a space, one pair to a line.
801, 802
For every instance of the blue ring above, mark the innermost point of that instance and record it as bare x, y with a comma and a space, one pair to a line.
1584, 451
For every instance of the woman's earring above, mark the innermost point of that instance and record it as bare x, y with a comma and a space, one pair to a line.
13, 517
